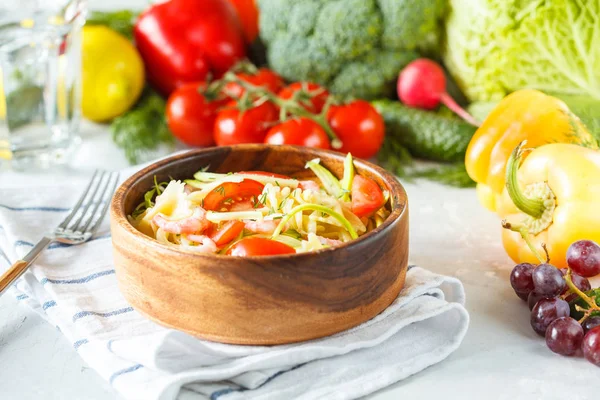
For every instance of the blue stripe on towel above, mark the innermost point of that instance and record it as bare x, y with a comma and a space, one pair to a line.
120, 311
46, 209
124, 371
79, 343
48, 304
22, 297
85, 279
222, 392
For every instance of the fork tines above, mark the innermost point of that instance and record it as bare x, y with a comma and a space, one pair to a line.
86, 215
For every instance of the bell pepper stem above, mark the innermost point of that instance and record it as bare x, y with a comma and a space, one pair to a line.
530, 206
524, 232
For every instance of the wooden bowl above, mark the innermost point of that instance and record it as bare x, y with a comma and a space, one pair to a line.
259, 300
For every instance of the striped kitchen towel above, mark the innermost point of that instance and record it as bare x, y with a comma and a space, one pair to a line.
75, 289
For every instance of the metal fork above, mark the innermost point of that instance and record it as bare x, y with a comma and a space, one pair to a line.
78, 227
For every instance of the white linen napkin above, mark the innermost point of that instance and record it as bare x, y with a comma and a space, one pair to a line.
75, 288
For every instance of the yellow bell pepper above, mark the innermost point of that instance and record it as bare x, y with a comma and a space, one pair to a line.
113, 73
523, 115
553, 199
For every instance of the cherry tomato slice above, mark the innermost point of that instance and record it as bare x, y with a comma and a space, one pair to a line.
227, 233
225, 196
265, 173
367, 196
253, 246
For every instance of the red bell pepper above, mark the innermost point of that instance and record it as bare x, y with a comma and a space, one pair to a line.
185, 40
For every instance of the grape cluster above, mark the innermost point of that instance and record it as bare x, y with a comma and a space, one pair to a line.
546, 291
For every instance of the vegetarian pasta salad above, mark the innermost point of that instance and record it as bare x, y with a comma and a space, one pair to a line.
262, 213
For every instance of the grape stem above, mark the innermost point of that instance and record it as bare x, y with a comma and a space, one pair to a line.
591, 303
524, 232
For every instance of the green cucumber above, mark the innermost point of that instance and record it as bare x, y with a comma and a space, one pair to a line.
426, 134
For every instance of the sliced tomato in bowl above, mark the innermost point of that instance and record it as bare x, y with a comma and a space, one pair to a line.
226, 233
255, 246
233, 196
367, 196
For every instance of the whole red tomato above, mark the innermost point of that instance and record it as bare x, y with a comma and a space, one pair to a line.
316, 102
191, 117
359, 126
264, 77
298, 131
234, 127
185, 40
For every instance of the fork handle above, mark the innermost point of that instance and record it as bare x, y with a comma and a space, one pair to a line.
20, 266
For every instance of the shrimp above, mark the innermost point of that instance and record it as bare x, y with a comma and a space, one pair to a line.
267, 226
196, 223
329, 242
206, 244
309, 185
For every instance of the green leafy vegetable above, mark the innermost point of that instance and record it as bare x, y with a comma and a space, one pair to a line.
143, 128
121, 21
149, 197
496, 47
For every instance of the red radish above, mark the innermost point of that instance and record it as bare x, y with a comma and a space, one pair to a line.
422, 84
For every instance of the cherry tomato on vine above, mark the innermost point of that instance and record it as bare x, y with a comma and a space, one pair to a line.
359, 126
298, 131
234, 127
367, 196
229, 231
229, 196
315, 104
253, 246
264, 77
190, 116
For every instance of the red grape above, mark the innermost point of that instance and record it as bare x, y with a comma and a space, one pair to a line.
582, 283
583, 257
548, 280
546, 311
591, 346
564, 336
590, 323
533, 298
520, 280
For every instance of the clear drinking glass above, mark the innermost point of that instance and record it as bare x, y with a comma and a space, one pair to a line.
40, 80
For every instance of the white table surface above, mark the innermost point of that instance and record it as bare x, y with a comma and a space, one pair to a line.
450, 233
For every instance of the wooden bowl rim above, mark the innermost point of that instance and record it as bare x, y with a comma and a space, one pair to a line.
118, 216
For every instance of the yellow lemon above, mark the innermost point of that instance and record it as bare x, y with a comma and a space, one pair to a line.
112, 73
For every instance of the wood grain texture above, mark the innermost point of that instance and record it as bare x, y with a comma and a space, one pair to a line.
259, 300
12, 274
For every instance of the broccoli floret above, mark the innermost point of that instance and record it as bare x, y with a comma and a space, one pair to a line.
371, 77
420, 28
354, 47
349, 28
